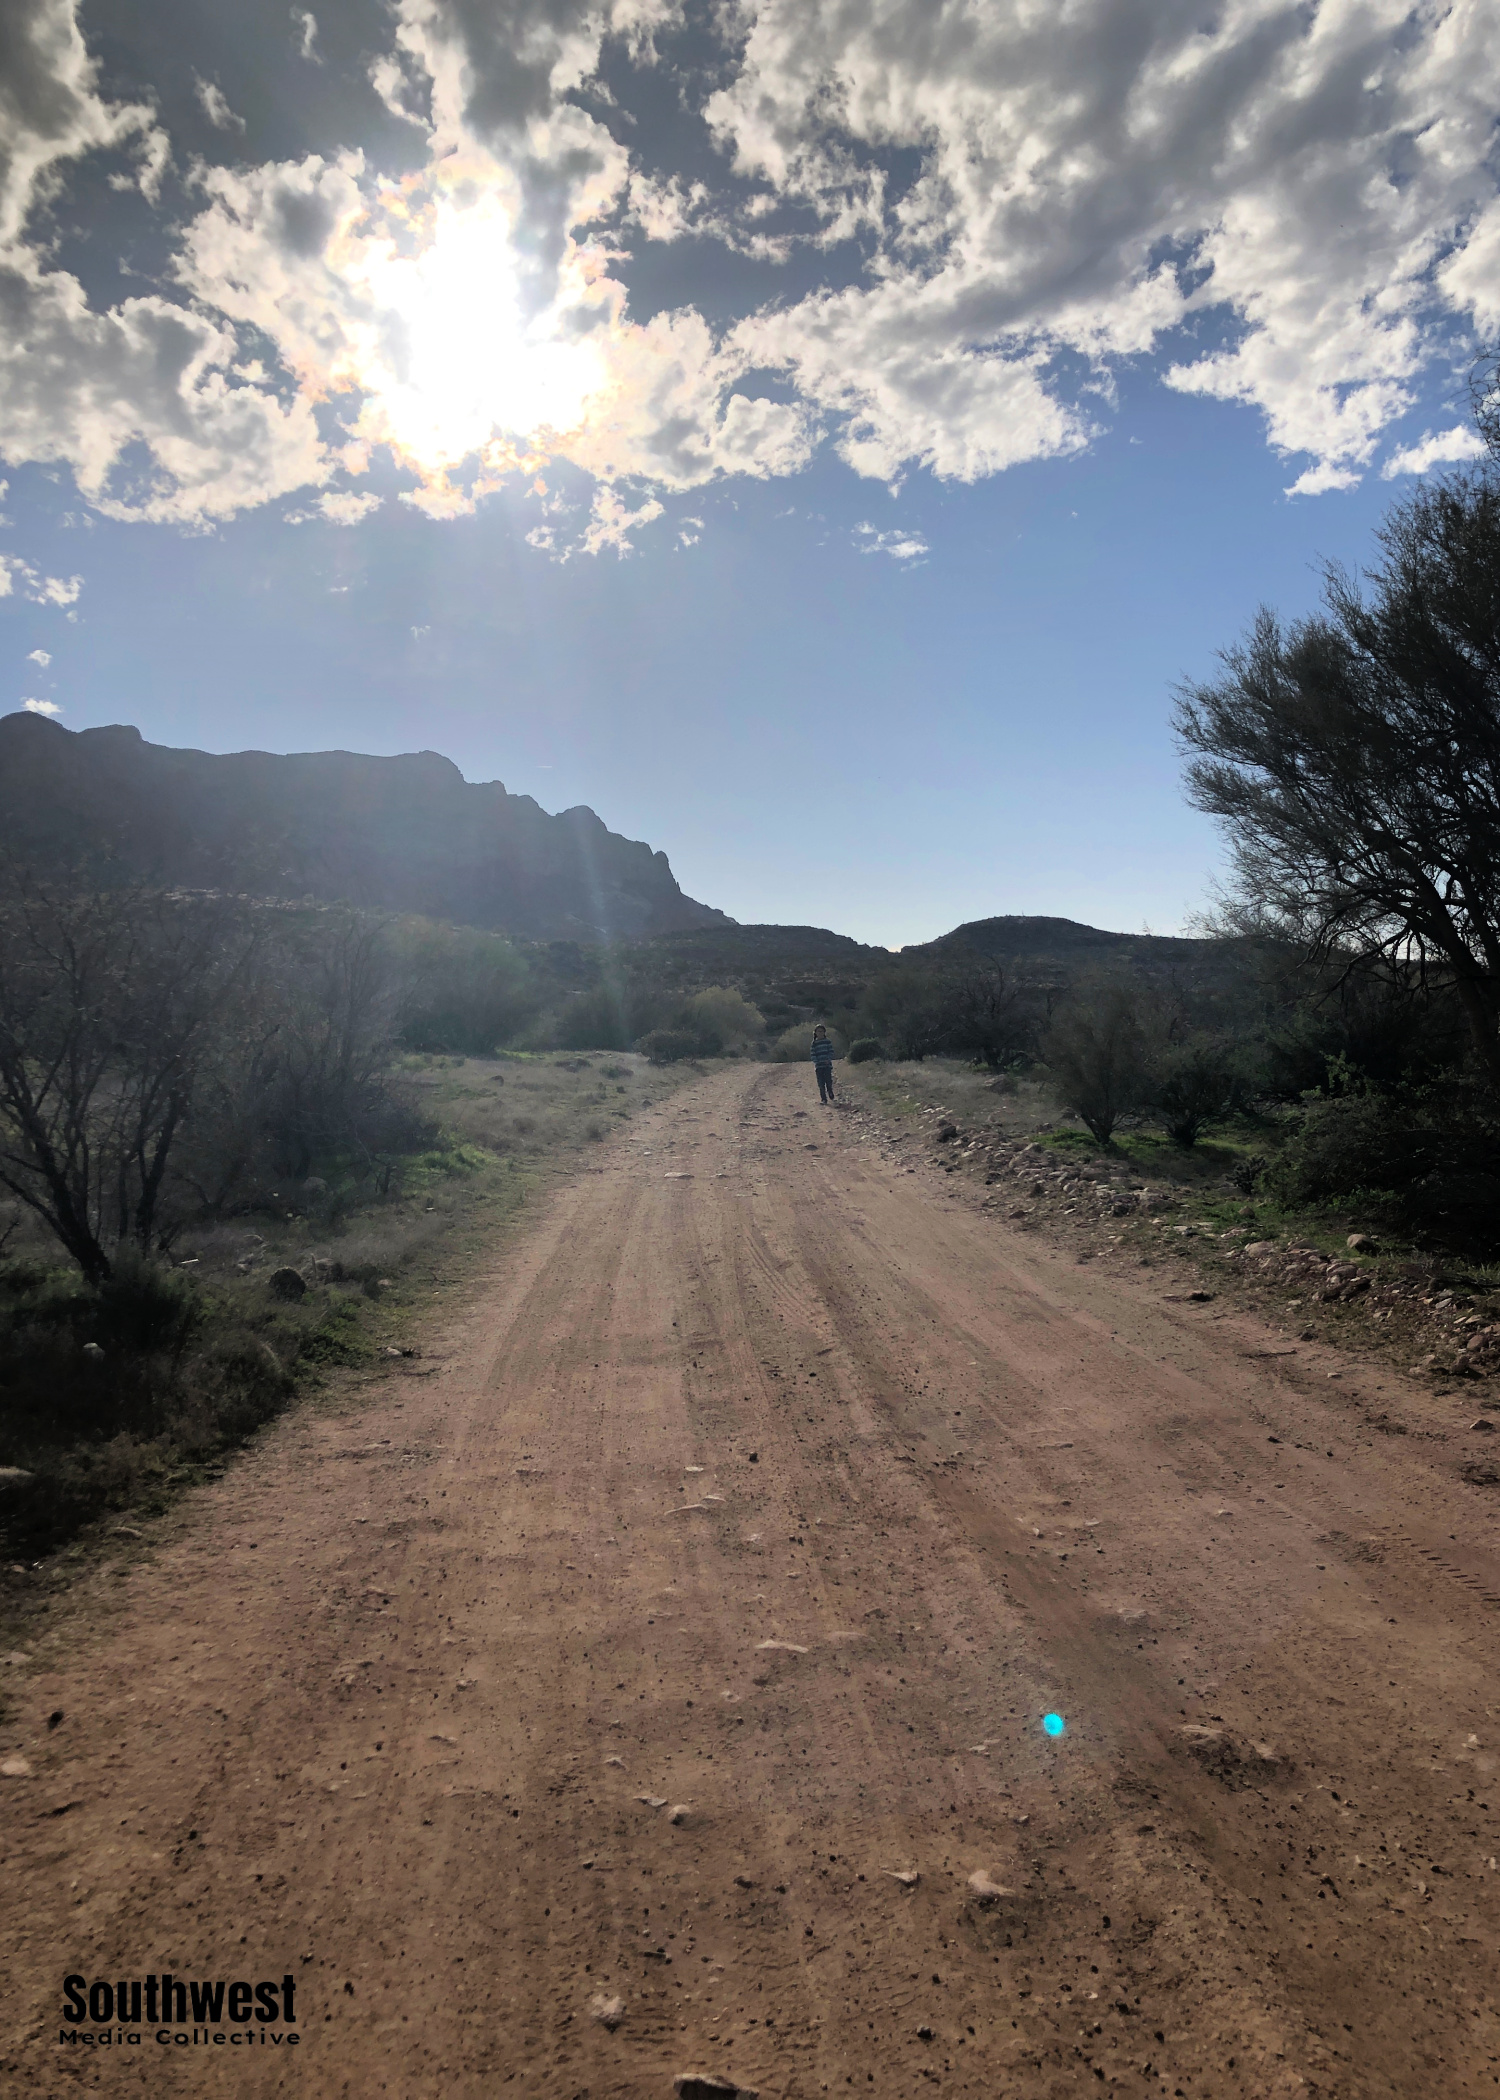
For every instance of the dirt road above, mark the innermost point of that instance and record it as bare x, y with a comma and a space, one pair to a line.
685, 1639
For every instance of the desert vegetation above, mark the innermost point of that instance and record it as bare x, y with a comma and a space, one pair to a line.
227, 1123
228, 1145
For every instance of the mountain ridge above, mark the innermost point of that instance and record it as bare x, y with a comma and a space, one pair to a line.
405, 833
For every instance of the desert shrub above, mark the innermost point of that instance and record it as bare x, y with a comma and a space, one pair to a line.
1096, 1057
865, 1050
1193, 1083
1365, 1031
904, 1007
667, 1046
721, 1018
459, 989
603, 1018
1428, 1159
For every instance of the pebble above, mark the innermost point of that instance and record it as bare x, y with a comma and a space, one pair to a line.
609, 2012
653, 1800
15, 1768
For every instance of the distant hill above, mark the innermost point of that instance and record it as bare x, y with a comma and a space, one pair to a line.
790, 972
786, 971
405, 834
1021, 939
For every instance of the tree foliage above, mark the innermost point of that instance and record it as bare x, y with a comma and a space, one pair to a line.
1193, 1082
1096, 1053
1354, 757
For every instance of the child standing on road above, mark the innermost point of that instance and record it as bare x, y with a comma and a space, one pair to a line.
822, 1057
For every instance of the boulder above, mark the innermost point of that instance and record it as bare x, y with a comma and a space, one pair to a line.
289, 1284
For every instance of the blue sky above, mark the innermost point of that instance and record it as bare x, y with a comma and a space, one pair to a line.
885, 521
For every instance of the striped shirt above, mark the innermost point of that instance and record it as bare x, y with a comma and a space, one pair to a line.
822, 1050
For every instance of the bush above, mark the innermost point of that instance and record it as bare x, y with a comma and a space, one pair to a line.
1096, 1058
667, 1046
721, 1018
600, 1019
866, 1050
460, 989
1194, 1083
106, 1391
1427, 1159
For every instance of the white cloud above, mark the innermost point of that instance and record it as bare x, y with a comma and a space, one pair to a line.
1325, 475
1292, 207
41, 707
611, 523
346, 507
215, 107
307, 35
1443, 448
18, 577
84, 388
40, 657
1091, 181
50, 111
900, 546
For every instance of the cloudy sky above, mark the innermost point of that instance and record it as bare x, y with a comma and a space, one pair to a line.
816, 433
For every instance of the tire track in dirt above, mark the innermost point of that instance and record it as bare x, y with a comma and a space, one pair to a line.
382, 1706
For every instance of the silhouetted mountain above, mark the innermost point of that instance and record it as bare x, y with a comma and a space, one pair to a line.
1022, 939
406, 834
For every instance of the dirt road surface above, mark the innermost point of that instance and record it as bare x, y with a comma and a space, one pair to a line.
685, 1638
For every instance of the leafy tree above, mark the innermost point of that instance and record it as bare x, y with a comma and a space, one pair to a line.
460, 989
1097, 1057
1354, 757
720, 1018
904, 1010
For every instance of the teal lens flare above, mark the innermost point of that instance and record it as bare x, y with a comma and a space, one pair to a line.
1053, 1724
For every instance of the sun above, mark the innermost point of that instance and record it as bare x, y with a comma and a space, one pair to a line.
452, 366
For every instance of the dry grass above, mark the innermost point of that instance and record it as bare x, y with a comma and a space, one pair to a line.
369, 1245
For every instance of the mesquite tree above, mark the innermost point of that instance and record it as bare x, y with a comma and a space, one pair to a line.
109, 1002
1354, 757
